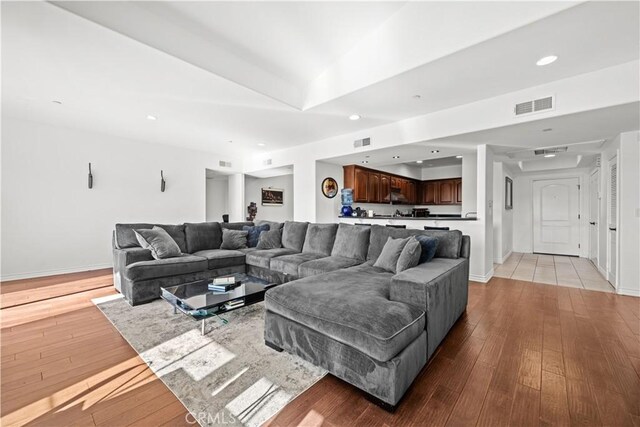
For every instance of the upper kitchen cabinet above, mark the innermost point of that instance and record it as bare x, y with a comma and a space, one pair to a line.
372, 186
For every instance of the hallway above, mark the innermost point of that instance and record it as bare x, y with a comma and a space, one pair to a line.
553, 270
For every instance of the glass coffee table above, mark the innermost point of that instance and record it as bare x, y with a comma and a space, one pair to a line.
198, 302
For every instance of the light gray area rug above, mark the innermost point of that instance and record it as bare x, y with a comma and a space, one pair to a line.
226, 377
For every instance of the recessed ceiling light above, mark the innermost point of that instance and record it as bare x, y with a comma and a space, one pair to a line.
150, 117
260, 144
546, 60
435, 151
417, 96
418, 161
549, 155
354, 117
366, 157
547, 130
230, 142
365, 161
396, 157
458, 157
57, 102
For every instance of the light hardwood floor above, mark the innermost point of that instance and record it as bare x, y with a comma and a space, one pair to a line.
523, 354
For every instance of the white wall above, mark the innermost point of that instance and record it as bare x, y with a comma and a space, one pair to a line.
502, 217
217, 198
327, 210
441, 172
237, 208
51, 221
629, 215
523, 207
253, 193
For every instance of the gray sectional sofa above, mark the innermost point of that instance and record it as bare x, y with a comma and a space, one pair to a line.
334, 308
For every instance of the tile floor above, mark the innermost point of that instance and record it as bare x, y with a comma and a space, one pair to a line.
554, 270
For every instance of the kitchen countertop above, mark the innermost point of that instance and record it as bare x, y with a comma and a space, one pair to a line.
424, 218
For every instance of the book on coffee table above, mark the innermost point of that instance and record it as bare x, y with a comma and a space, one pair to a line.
224, 284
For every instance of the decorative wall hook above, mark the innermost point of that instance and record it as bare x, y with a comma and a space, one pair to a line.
163, 183
90, 177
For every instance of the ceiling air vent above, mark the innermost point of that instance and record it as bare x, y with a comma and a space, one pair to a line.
364, 142
224, 164
534, 106
555, 150
267, 162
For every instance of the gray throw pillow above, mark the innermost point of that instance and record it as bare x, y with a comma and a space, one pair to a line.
410, 255
233, 239
391, 251
271, 239
158, 241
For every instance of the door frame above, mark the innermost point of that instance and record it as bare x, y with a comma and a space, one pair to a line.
598, 222
580, 179
608, 266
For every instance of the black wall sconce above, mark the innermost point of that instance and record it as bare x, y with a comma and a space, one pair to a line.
163, 183
90, 177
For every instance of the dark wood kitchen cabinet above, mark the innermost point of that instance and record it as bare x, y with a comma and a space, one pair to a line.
385, 188
447, 192
374, 187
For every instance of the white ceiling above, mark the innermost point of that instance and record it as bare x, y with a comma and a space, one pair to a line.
288, 73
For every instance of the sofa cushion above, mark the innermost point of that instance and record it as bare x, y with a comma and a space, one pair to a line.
271, 239
262, 257
288, 264
410, 255
325, 265
352, 241
319, 238
203, 235
126, 238
351, 306
253, 234
449, 242
388, 259
220, 258
183, 264
293, 235
158, 241
233, 239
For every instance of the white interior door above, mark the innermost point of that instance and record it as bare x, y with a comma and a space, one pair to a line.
612, 220
594, 215
556, 216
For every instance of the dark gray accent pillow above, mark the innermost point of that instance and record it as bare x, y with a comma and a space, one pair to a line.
293, 235
236, 225
319, 238
429, 245
271, 239
391, 251
410, 255
352, 241
202, 236
177, 233
158, 241
233, 239
253, 234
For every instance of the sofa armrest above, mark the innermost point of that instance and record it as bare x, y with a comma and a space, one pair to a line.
124, 257
440, 288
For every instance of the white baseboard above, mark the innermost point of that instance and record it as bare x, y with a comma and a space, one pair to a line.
481, 279
504, 258
629, 292
43, 273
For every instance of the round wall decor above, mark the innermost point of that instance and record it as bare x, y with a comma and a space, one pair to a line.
329, 187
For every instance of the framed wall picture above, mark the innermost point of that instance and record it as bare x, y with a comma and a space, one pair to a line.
272, 196
508, 193
329, 188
